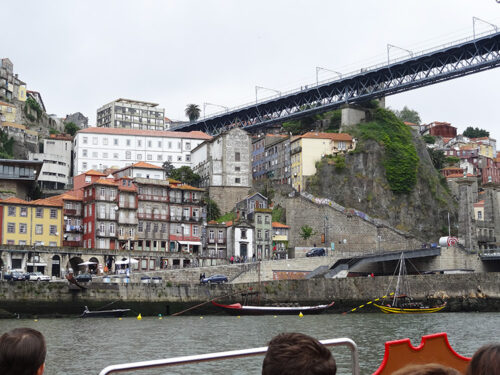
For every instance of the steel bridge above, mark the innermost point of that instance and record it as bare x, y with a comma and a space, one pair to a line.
453, 60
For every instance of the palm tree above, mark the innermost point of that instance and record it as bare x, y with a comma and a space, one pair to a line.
192, 112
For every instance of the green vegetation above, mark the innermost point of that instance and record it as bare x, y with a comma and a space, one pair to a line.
408, 115
307, 123
168, 168
213, 211
451, 160
185, 175
71, 128
278, 214
429, 139
228, 216
437, 157
471, 132
53, 131
192, 112
6, 146
306, 232
32, 104
401, 158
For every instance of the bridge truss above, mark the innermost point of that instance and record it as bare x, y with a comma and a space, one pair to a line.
425, 68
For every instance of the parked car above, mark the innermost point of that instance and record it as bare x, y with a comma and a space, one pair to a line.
84, 277
14, 276
316, 252
214, 279
38, 276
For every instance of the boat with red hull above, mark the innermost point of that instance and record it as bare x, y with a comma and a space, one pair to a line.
239, 309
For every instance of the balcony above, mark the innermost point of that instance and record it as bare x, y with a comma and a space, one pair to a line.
73, 229
153, 235
105, 233
175, 218
154, 198
175, 200
126, 204
106, 216
145, 215
72, 243
105, 197
295, 150
160, 217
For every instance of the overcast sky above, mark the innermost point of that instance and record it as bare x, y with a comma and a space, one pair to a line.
83, 54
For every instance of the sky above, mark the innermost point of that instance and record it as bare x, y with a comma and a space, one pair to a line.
81, 55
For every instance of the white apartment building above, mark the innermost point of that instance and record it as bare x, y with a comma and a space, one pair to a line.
101, 148
56, 157
131, 114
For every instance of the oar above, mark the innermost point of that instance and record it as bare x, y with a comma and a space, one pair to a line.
367, 303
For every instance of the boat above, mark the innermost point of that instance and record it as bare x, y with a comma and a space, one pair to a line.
239, 309
115, 313
402, 303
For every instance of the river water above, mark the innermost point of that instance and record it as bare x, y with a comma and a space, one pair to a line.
86, 346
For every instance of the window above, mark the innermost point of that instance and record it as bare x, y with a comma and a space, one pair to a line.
259, 234
11, 228
164, 228
115, 155
115, 141
128, 155
148, 226
186, 229
188, 146
266, 219
84, 165
139, 156
23, 211
159, 157
211, 234
53, 230
267, 235
105, 141
149, 157
179, 158
159, 144
169, 145
237, 180
479, 215
140, 227
22, 243
237, 169
39, 229
139, 143
85, 140
169, 158
94, 154
195, 230
128, 142
112, 228
221, 235
150, 144
188, 157
104, 155
102, 193
243, 233
52, 244
12, 211
94, 140
53, 213
259, 219
236, 156
155, 227
84, 152
179, 145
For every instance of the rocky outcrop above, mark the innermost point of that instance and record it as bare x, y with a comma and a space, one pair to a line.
362, 185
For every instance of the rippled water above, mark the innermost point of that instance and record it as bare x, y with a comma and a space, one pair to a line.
86, 346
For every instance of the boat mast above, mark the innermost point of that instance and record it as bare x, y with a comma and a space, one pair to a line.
397, 291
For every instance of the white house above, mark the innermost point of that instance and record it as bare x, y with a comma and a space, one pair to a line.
240, 239
101, 148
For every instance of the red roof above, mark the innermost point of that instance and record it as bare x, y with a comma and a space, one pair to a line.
143, 164
458, 175
14, 200
279, 225
105, 181
150, 133
93, 172
479, 204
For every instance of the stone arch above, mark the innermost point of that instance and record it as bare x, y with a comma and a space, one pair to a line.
56, 266
74, 264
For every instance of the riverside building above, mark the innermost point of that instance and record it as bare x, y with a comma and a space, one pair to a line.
102, 148
131, 114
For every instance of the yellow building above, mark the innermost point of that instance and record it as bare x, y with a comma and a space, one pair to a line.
309, 148
21, 94
7, 112
32, 223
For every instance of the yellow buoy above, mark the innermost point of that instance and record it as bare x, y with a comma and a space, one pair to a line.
201, 317
160, 318
301, 315
238, 316
275, 316
119, 318
36, 320
139, 317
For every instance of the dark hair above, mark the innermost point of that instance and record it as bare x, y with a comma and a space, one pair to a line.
427, 369
485, 361
22, 352
296, 353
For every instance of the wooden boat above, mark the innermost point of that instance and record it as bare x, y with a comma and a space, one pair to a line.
402, 303
239, 309
115, 313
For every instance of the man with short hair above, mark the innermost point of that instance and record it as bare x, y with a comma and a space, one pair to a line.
22, 352
298, 354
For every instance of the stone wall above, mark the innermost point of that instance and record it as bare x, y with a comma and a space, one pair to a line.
226, 197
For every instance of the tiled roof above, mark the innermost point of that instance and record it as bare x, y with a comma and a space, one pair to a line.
7, 104
458, 175
93, 172
279, 225
143, 164
479, 204
47, 202
450, 168
186, 187
229, 223
14, 200
13, 125
149, 133
410, 123
105, 181
172, 181
332, 136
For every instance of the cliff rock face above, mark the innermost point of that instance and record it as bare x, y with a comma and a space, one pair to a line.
363, 185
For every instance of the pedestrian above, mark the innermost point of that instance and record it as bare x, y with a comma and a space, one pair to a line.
201, 276
253, 257
22, 352
231, 259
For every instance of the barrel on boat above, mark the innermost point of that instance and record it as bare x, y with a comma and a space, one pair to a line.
448, 241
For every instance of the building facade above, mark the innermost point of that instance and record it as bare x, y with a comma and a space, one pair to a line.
131, 114
102, 148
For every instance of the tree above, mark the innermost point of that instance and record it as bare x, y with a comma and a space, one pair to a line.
438, 158
71, 128
192, 112
186, 176
408, 115
213, 211
168, 168
306, 231
429, 139
471, 132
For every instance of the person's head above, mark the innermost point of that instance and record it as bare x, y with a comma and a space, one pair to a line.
296, 353
486, 361
427, 369
22, 352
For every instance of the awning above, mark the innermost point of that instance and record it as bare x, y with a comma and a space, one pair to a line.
37, 264
189, 243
